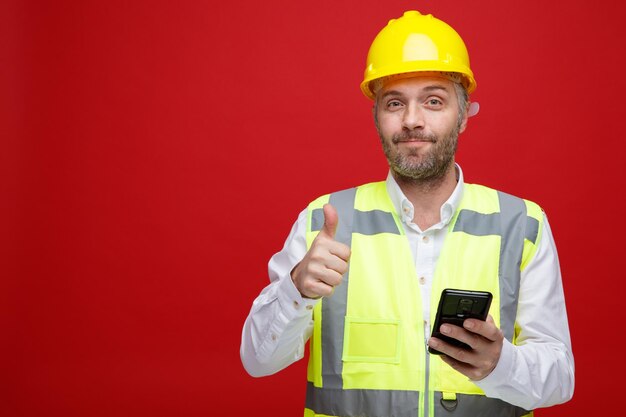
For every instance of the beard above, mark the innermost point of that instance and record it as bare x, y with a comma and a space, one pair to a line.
413, 167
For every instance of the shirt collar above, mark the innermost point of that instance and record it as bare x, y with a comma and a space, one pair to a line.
405, 208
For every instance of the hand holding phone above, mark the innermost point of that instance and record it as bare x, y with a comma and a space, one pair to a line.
454, 307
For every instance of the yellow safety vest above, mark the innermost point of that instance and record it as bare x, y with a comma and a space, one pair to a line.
367, 352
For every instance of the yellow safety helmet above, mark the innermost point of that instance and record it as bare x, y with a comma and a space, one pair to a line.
417, 43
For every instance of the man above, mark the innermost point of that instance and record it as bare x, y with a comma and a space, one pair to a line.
362, 270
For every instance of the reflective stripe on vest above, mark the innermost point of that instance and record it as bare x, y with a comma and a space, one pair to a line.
335, 306
383, 403
511, 247
332, 399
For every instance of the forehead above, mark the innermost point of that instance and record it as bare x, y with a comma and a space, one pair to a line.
417, 85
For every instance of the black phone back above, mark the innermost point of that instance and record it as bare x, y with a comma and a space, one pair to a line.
457, 305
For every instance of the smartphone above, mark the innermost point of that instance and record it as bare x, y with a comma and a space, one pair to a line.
454, 307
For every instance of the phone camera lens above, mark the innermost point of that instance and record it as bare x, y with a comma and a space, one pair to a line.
464, 307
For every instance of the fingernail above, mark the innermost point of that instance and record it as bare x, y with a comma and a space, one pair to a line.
468, 324
444, 329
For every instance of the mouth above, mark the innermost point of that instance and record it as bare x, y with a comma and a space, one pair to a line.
412, 140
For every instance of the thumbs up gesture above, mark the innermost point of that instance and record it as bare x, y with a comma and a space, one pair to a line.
323, 266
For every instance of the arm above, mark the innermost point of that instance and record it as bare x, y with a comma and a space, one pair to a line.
280, 320
539, 370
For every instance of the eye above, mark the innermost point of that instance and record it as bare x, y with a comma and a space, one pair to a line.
434, 102
391, 104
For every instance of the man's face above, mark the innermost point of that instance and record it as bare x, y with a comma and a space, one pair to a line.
418, 124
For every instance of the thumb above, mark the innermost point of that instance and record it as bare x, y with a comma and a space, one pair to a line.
331, 219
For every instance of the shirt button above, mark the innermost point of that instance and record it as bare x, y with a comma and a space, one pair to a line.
422, 280
273, 337
295, 304
406, 210
425, 239
309, 307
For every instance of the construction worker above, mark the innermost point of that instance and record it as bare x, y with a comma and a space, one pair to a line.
362, 271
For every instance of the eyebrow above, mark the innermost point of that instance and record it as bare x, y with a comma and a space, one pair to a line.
428, 89
435, 87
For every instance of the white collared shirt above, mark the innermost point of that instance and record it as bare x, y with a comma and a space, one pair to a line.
425, 244
537, 372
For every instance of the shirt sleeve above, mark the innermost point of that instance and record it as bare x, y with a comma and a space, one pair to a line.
538, 371
280, 320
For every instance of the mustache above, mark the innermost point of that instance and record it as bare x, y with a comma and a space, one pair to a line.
408, 136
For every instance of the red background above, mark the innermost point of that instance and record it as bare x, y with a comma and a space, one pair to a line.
156, 154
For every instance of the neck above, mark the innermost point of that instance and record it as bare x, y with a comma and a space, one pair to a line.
427, 196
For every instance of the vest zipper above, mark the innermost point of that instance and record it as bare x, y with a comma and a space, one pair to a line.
426, 386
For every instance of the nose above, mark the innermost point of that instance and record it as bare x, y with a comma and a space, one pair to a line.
413, 117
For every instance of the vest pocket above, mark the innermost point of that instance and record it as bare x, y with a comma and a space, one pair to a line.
371, 340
